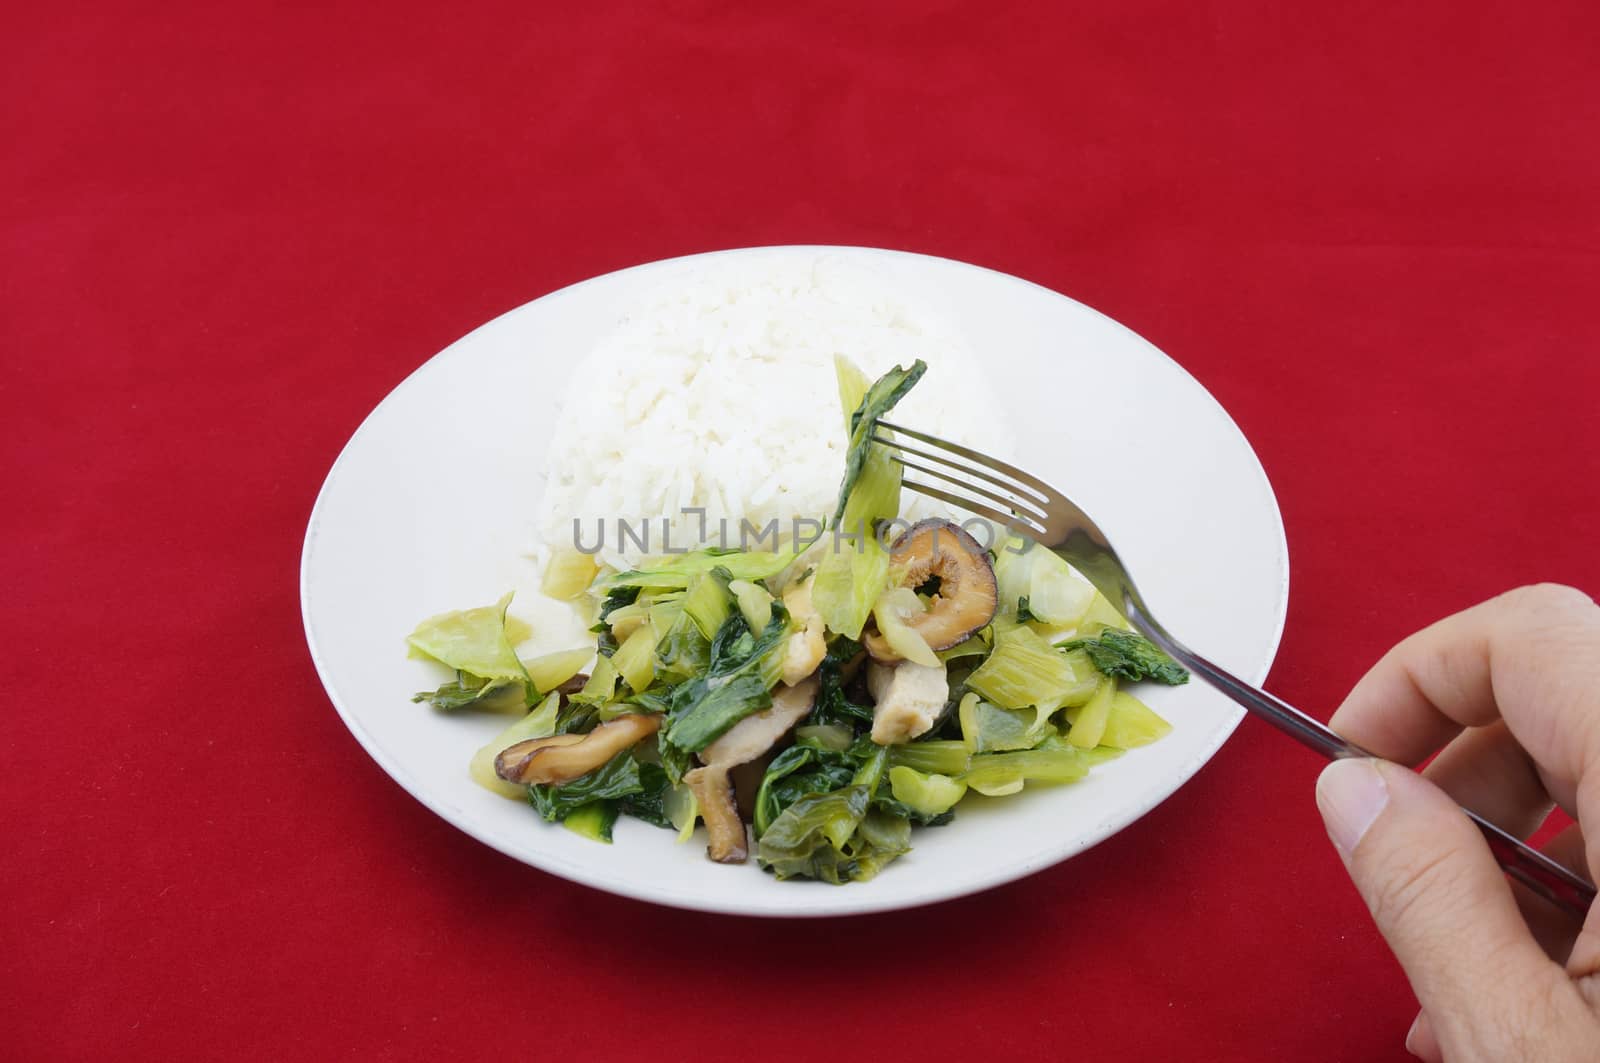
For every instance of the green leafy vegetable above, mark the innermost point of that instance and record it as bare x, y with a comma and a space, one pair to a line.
710, 713
940, 757
834, 736
682, 652
658, 699
617, 598
736, 683
832, 705
806, 838
1101, 616
682, 810
635, 659
987, 728
1129, 724
675, 761
997, 774
1089, 723
577, 718
649, 804
813, 765
568, 574
1024, 672
593, 821
707, 601
601, 686
928, 796
879, 400
972, 647
617, 777
754, 601
854, 570
540, 723
835, 837
895, 611
1125, 655
553, 669
470, 692
675, 573
1044, 586
471, 640
475, 644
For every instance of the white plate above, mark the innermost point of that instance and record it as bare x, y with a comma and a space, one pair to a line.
431, 504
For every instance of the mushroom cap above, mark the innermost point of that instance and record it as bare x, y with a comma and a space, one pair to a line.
968, 594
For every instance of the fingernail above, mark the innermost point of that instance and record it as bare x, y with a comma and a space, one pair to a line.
1411, 1035
1350, 794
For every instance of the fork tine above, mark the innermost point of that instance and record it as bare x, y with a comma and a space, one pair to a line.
1042, 489
1011, 521
1025, 507
978, 472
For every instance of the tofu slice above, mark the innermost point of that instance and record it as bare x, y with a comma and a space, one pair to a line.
909, 699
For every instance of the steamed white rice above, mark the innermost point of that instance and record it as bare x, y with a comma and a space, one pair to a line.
718, 392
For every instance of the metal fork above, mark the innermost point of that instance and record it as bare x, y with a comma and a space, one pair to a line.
1024, 503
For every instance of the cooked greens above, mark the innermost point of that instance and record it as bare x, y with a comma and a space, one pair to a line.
470, 692
472, 641
737, 681
879, 399
854, 569
619, 777
815, 676
1125, 655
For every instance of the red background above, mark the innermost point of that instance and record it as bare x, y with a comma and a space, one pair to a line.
226, 232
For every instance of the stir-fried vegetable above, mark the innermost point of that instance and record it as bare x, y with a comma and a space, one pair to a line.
865, 694
854, 569
737, 682
676, 572
474, 643
1024, 671
540, 723
879, 399
1036, 582
1128, 656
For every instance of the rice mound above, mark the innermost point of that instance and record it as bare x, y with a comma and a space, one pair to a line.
718, 392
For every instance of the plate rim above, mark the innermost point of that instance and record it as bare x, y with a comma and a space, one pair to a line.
862, 904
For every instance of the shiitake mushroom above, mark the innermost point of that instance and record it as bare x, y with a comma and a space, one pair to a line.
967, 594
562, 758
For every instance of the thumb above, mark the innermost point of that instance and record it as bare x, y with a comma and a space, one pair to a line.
1436, 894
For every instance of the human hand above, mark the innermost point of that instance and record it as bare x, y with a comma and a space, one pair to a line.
1510, 690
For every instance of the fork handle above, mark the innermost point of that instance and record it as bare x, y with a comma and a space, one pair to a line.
1550, 880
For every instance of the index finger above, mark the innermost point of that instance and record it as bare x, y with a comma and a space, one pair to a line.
1530, 656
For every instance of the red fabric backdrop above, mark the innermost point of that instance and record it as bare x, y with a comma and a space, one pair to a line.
226, 231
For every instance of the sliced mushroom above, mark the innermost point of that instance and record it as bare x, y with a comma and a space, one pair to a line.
754, 735
741, 743
967, 594
562, 758
808, 645
713, 791
909, 698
